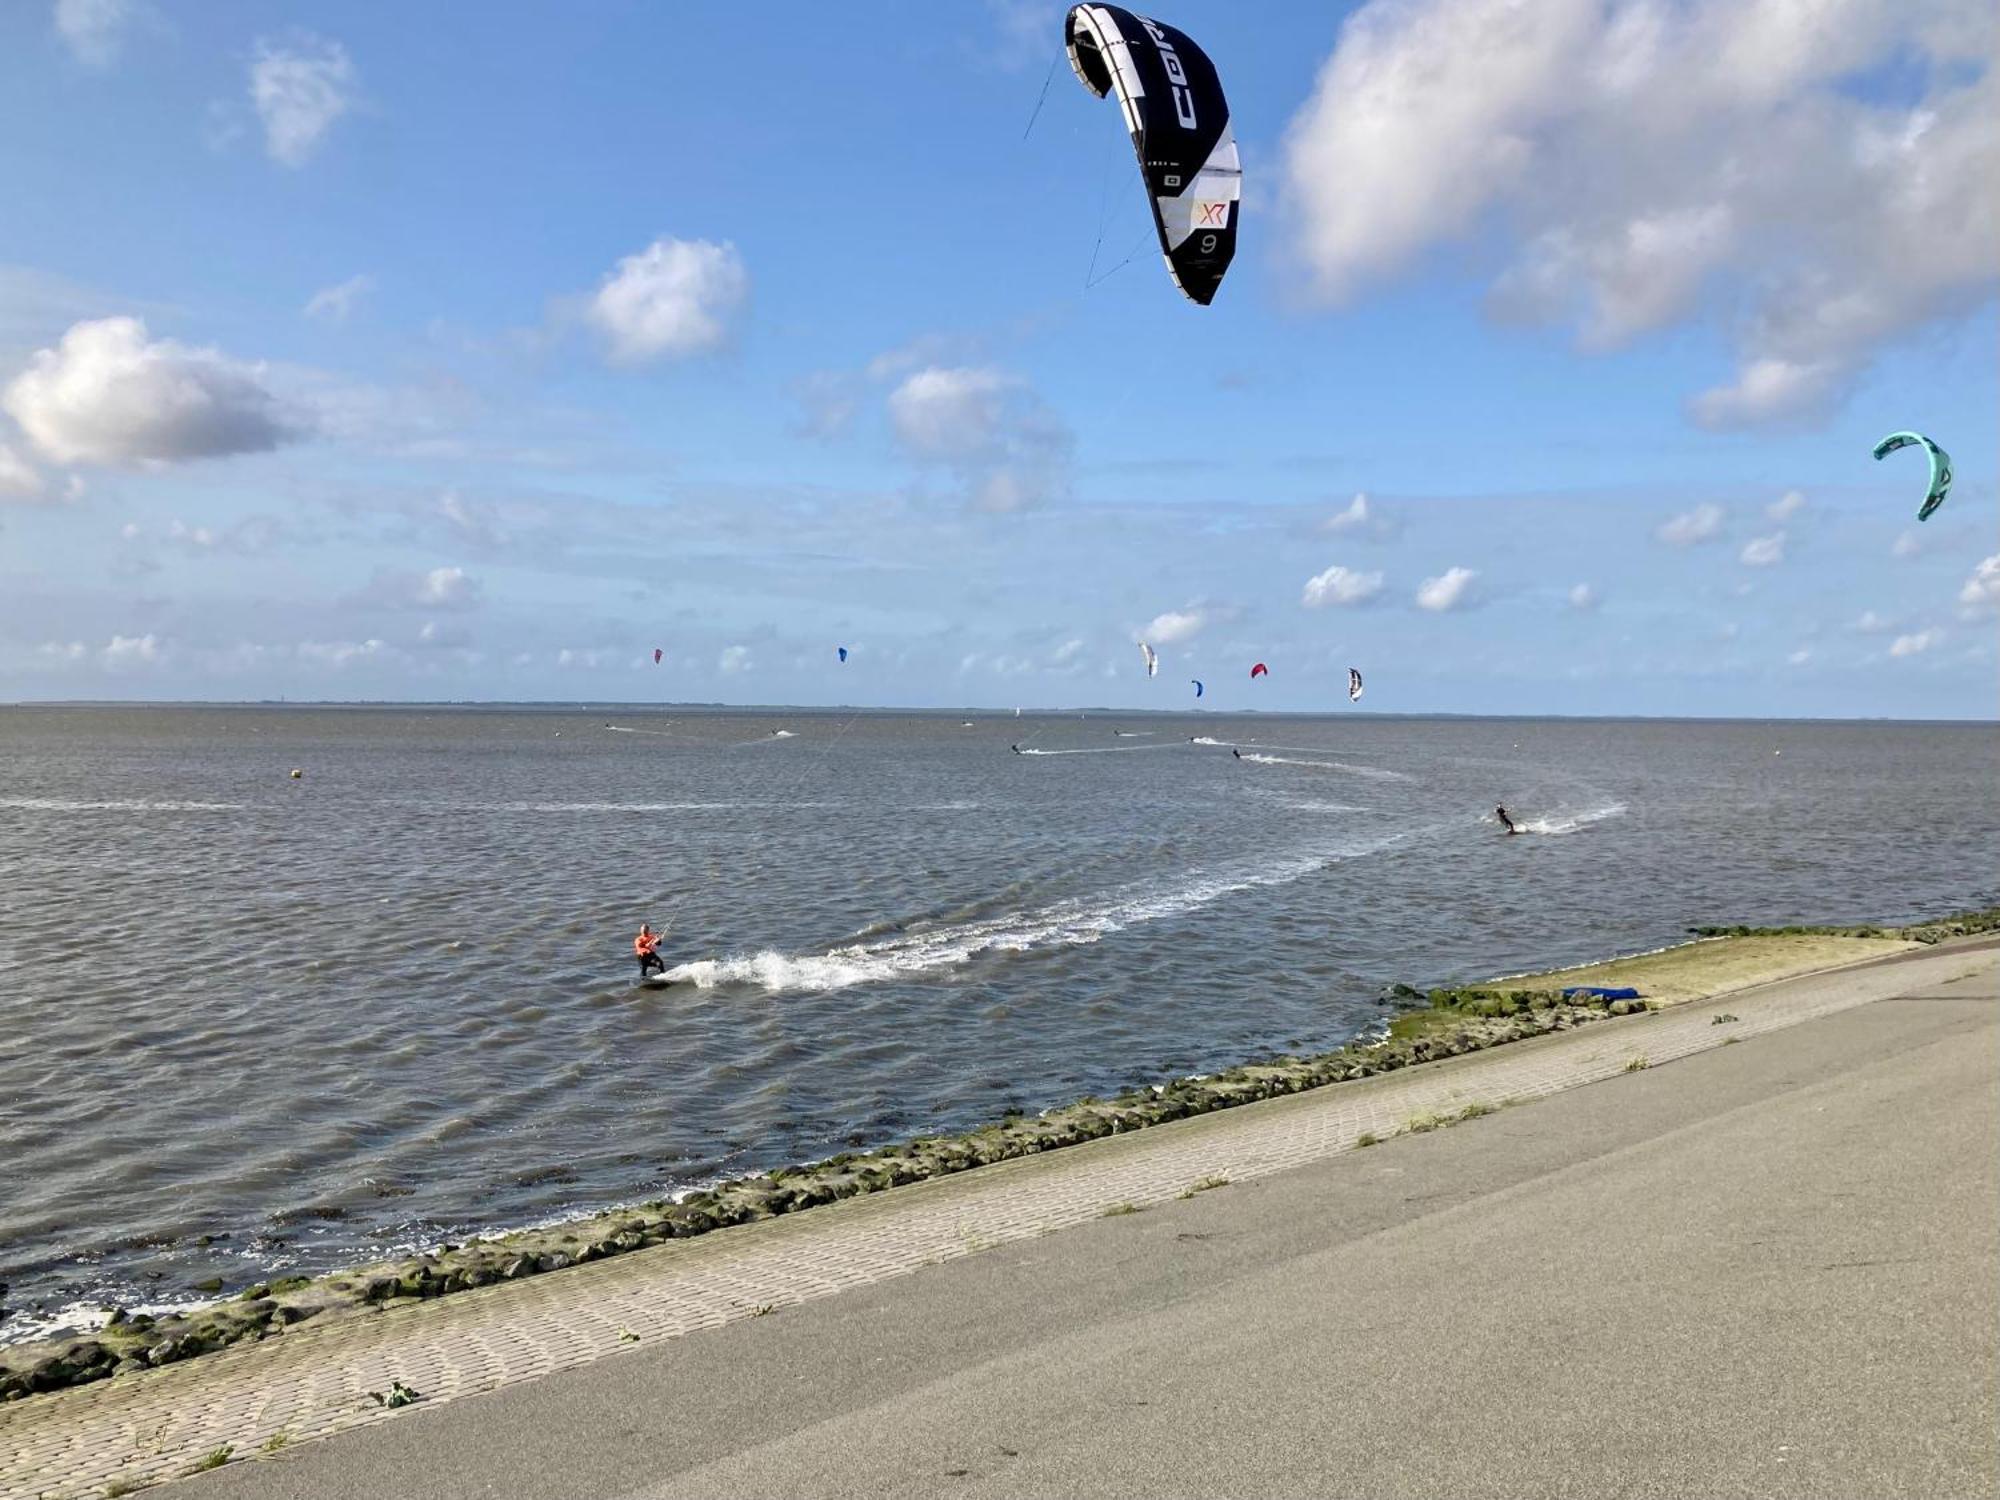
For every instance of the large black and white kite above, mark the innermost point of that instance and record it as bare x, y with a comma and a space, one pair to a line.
1179, 122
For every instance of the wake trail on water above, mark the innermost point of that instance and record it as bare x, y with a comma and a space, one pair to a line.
1570, 822
1074, 922
1374, 773
1103, 750
64, 804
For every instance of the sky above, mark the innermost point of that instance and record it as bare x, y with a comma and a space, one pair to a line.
369, 351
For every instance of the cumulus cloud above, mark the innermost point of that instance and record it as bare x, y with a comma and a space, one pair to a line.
300, 87
1361, 517
1763, 551
1646, 164
1451, 589
93, 28
673, 299
338, 654
450, 588
332, 304
1583, 596
109, 395
1872, 623
1981, 593
1907, 544
1702, 524
1800, 657
131, 651
1340, 586
990, 429
436, 635
1910, 645
19, 480
1175, 626
734, 660
1786, 505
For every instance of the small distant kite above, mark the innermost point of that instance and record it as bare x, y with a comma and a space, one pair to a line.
657, 654
1260, 670
1152, 658
1353, 685
841, 652
1197, 686
1940, 466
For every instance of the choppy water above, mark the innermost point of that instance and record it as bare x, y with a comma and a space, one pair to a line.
391, 1002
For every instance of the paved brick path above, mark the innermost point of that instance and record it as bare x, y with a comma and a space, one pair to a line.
315, 1380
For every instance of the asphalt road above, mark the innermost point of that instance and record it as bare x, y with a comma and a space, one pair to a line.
1769, 1269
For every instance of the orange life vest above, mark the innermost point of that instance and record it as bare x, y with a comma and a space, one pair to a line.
645, 943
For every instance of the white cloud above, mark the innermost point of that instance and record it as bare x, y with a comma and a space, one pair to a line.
1646, 164
1800, 657
18, 479
63, 650
1872, 623
1982, 590
437, 635
1583, 596
1361, 517
734, 660
1451, 589
1340, 586
1786, 505
583, 659
332, 304
131, 651
1907, 544
1763, 551
449, 588
108, 395
1066, 653
1701, 524
93, 28
300, 88
1175, 626
1767, 390
673, 299
989, 428
1910, 645
338, 654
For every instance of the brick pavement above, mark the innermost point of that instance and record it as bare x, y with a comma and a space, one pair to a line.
314, 1380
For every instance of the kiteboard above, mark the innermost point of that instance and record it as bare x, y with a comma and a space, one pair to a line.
654, 982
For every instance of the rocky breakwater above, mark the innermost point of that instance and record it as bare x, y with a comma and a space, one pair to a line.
1428, 1026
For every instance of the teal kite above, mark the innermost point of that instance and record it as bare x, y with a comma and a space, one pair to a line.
1940, 466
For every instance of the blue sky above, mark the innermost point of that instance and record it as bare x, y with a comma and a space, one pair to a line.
356, 352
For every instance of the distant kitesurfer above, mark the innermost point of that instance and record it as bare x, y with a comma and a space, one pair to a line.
1505, 821
647, 947
1237, 753
1015, 748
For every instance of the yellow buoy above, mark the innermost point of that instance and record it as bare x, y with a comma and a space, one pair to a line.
298, 775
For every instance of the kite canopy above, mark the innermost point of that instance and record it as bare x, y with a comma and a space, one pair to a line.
1152, 658
841, 652
1179, 122
1197, 686
1940, 467
1353, 685
1260, 670
657, 654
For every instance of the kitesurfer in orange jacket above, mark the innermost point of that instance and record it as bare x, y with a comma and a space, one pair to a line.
647, 946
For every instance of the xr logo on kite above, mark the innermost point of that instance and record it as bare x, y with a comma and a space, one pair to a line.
1212, 215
